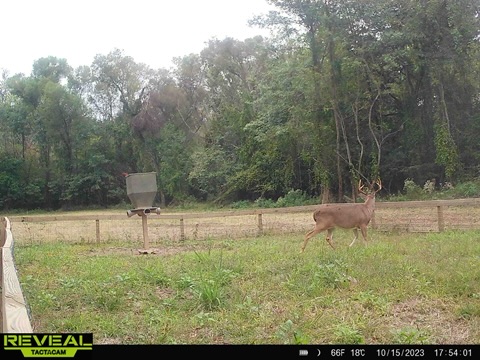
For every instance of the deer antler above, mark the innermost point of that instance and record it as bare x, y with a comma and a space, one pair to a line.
360, 187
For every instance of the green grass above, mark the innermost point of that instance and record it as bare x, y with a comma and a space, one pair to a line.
401, 288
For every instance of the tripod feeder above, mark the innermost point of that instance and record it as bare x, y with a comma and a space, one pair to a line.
141, 190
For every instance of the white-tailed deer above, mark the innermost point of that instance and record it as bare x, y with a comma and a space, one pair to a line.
345, 215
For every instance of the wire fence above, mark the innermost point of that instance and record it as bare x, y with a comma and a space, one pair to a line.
408, 216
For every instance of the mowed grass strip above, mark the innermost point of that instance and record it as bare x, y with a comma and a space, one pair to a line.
400, 289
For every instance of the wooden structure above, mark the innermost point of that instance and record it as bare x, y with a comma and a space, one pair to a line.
15, 318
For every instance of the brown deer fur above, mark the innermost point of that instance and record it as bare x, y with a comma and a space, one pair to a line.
345, 215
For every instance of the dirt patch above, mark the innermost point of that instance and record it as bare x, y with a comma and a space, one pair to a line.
431, 317
151, 251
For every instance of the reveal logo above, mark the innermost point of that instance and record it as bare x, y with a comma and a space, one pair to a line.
48, 345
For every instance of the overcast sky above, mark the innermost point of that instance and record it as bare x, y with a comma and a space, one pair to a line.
150, 31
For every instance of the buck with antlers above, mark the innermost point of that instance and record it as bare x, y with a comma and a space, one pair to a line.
345, 215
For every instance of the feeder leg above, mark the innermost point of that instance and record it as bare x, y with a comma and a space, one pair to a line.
146, 242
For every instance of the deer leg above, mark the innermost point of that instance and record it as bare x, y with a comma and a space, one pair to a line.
310, 234
364, 234
355, 231
330, 238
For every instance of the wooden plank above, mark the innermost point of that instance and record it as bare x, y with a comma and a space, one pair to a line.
428, 203
14, 308
46, 218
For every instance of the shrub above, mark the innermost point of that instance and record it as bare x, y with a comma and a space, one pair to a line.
292, 198
261, 202
429, 187
242, 204
412, 190
467, 189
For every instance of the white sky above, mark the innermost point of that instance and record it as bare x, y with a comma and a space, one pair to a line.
150, 31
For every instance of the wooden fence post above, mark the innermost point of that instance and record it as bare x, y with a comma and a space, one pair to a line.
259, 224
97, 228
182, 230
441, 223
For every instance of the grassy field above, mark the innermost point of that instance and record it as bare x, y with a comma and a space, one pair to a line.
400, 289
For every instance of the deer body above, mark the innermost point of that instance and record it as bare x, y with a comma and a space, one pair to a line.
346, 215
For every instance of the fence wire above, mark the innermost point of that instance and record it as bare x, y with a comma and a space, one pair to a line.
162, 229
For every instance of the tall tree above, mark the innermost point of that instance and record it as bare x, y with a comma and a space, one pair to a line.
123, 86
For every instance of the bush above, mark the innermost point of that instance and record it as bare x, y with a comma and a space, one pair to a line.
293, 198
242, 204
412, 190
467, 189
265, 203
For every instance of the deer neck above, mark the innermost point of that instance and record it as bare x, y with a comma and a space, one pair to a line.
370, 202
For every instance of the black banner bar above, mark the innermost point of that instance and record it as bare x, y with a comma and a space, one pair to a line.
453, 351
294, 351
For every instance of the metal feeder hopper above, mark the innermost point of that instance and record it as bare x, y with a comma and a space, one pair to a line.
141, 190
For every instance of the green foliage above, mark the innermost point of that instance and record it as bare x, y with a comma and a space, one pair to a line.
332, 274
293, 198
288, 335
265, 203
467, 189
410, 335
242, 204
174, 161
470, 311
447, 154
412, 190
209, 173
52, 68
210, 286
32, 196
347, 334
210, 293
10, 186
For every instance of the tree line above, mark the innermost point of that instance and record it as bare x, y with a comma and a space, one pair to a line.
341, 91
